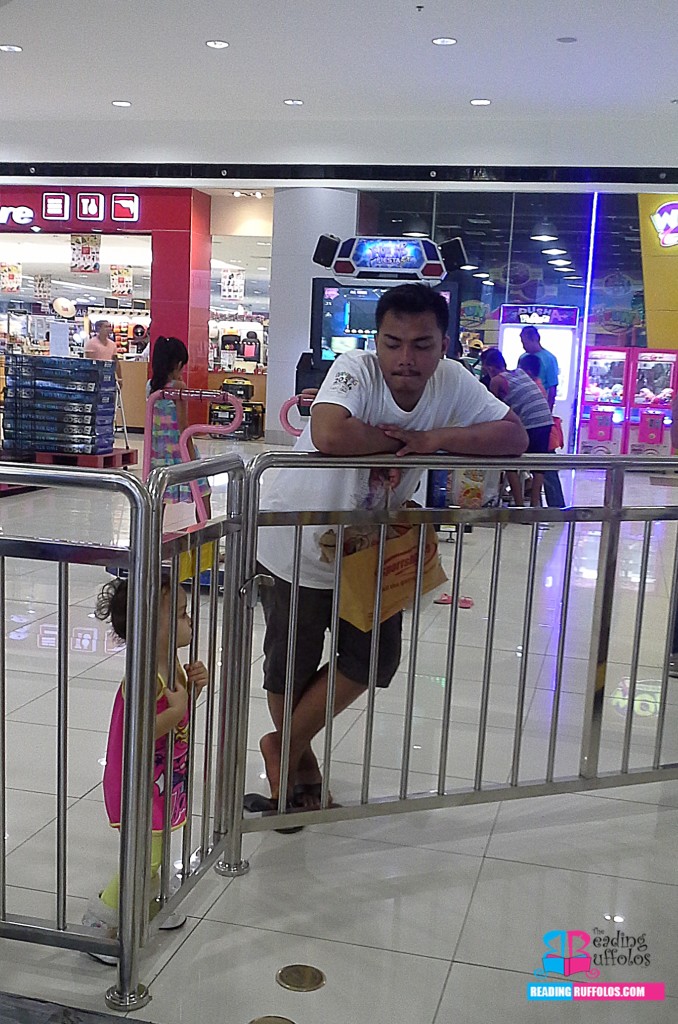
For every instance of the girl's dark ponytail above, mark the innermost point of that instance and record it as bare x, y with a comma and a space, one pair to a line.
168, 354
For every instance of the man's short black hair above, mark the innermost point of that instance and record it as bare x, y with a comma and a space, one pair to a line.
409, 299
531, 364
493, 357
529, 329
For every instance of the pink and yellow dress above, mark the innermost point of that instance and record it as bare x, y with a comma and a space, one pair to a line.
112, 783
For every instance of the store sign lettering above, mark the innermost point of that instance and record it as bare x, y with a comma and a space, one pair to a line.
89, 206
17, 214
665, 222
534, 318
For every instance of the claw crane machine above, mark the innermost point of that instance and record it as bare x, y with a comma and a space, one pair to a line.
653, 378
603, 412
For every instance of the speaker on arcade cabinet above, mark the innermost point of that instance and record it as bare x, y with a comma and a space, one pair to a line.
454, 254
326, 250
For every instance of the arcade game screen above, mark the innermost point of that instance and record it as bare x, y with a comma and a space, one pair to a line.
605, 379
653, 382
343, 318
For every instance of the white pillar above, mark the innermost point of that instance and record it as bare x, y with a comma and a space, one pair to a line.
300, 216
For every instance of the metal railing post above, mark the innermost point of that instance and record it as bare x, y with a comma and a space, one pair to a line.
601, 625
237, 699
135, 831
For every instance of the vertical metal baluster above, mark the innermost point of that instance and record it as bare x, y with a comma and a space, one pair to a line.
601, 625
487, 666
229, 676
522, 676
3, 745
289, 671
332, 672
374, 666
139, 722
239, 600
190, 766
635, 653
62, 747
209, 704
564, 608
412, 663
167, 866
449, 667
668, 651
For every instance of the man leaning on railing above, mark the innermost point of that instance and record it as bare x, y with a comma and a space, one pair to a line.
405, 398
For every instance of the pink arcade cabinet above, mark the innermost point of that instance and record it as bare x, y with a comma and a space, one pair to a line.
653, 378
603, 409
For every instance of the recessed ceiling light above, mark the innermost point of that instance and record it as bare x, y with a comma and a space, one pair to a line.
482, 276
216, 44
237, 194
262, 268
573, 277
263, 243
674, 101
469, 266
566, 39
560, 263
443, 41
415, 234
554, 252
562, 270
480, 103
258, 195
293, 103
121, 103
11, 48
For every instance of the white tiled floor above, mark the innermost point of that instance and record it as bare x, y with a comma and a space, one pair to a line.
426, 918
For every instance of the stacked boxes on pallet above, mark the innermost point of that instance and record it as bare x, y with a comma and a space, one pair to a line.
65, 406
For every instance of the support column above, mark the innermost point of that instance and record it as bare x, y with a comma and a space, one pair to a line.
180, 289
300, 216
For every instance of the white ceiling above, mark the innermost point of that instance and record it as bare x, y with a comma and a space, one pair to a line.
375, 89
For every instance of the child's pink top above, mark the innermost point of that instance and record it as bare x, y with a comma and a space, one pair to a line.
112, 783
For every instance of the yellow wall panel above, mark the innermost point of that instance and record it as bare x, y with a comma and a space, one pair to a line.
660, 269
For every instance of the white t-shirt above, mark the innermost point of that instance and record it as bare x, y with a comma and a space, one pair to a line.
453, 397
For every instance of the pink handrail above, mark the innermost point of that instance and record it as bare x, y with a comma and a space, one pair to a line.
223, 398
295, 401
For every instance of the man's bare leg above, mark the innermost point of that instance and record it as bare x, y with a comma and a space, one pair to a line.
308, 719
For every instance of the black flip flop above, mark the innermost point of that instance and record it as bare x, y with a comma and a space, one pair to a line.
257, 803
312, 789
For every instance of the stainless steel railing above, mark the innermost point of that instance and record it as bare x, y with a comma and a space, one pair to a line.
579, 524
608, 545
134, 840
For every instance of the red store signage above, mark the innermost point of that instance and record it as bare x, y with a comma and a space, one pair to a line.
76, 209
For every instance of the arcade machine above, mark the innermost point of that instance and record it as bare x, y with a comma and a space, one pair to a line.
557, 326
602, 416
653, 378
343, 306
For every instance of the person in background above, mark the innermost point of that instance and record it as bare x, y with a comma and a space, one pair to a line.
517, 389
102, 346
548, 374
168, 360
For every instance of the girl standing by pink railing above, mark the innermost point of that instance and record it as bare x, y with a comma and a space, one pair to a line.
170, 418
